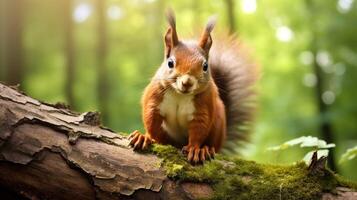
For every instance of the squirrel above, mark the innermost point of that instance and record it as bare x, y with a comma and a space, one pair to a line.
199, 97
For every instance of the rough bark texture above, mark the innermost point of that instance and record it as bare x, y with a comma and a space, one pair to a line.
49, 152
53, 153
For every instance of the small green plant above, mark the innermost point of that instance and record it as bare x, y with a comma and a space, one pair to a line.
350, 154
315, 143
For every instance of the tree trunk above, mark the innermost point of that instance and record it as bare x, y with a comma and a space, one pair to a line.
2, 40
231, 15
70, 51
49, 152
102, 75
325, 125
13, 41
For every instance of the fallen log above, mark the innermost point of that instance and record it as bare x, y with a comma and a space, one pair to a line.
50, 152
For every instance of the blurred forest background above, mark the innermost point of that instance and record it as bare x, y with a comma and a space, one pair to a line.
100, 54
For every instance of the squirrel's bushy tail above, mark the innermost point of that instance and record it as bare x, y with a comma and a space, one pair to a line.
235, 74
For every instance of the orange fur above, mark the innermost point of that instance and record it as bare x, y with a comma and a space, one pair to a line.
151, 117
208, 125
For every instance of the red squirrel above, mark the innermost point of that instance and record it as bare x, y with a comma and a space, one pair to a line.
198, 95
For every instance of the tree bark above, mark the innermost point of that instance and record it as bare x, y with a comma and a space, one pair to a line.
49, 152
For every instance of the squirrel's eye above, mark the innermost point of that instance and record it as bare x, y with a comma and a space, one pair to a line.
205, 66
170, 63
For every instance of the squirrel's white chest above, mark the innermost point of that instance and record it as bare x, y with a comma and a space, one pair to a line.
178, 110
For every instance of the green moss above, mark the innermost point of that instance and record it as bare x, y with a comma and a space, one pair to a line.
235, 178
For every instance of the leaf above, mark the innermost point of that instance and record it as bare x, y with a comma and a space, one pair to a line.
350, 154
309, 141
297, 141
316, 142
276, 148
329, 146
287, 144
304, 141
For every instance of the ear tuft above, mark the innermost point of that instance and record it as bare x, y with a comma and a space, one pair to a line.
172, 23
211, 23
206, 40
170, 15
171, 39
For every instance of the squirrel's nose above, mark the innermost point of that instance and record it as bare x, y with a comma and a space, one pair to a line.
187, 84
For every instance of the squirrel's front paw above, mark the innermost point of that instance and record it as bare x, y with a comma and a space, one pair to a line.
139, 141
197, 155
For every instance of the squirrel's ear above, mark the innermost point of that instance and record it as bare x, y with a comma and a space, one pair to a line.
171, 39
205, 41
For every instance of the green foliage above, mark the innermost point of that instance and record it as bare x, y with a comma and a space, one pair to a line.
350, 154
233, 177
307, 142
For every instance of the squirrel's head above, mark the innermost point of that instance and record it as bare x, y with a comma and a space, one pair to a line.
186, 67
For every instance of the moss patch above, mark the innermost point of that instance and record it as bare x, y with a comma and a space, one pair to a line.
235, 178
